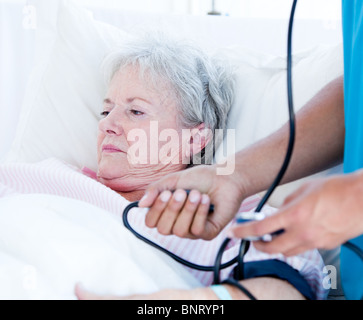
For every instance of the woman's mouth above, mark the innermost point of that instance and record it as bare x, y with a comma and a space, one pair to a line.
109, 148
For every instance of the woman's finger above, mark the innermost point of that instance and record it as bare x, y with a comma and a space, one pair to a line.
83, 294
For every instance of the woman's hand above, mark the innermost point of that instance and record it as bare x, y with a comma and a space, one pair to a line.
167, 294
188, 216
320, 214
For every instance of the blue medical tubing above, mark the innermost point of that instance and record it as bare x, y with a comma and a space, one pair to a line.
172, 255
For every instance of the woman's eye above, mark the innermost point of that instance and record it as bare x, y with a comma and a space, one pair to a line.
104, 113
136, 112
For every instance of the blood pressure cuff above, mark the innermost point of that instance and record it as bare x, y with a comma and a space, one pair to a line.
280, 270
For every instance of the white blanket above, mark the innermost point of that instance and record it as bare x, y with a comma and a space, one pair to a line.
49, 243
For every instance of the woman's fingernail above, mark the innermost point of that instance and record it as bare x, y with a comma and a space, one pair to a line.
165, 196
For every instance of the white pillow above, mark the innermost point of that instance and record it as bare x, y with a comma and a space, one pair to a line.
261, 105
64, 95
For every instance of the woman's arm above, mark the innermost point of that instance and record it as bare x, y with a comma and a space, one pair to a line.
263, 288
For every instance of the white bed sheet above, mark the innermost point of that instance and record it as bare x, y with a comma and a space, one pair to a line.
49, 243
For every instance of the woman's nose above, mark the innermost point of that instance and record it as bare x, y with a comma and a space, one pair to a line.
109, 131
112, 124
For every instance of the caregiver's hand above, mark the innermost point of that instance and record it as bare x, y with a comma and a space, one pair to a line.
188, 216
321, 214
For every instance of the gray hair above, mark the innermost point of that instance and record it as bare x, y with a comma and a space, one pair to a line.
203, 85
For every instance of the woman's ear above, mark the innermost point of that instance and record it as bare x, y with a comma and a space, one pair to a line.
200, 136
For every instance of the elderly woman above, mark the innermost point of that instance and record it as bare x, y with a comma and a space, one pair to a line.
157, 87
164, 100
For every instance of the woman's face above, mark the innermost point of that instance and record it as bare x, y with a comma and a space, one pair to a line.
139, 138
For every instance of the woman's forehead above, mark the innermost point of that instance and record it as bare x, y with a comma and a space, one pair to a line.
129, 84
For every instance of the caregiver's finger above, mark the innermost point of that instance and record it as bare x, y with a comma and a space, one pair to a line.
149, 198
171, 212
202, 227
185, 218
259, 228
155, 212
282, 243
152, 192
297, 250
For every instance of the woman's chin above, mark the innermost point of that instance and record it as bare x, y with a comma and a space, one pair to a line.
118, 184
